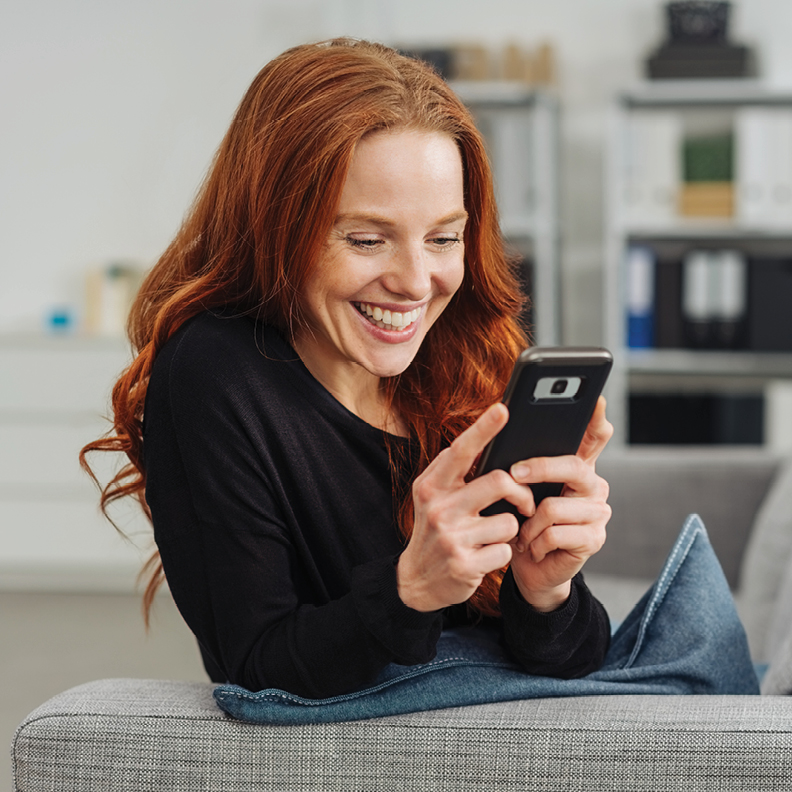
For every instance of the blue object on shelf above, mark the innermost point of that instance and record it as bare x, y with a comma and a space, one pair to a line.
640, 331
640, 266
60, 320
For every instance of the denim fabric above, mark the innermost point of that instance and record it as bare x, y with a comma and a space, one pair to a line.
683, 637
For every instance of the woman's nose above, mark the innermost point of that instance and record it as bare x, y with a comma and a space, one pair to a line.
410, 273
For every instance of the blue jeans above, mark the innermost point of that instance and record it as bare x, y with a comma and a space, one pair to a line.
683, 637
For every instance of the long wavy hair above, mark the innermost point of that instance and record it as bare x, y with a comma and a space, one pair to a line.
261, 219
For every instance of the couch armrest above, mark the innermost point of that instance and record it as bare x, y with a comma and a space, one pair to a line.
126, 734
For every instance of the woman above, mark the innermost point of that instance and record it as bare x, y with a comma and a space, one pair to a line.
321, 351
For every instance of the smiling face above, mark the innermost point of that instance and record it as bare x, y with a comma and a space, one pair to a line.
392, 262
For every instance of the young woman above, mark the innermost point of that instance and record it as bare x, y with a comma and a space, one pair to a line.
320, 357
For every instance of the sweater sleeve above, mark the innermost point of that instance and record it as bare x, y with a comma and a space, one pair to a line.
243, 579
567, 643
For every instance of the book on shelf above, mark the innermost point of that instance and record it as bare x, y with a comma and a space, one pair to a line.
706, 300
696, 418
763, 165
714, 298
668, 174
652, 167
640, 266
707, 189
770, 305
669, 326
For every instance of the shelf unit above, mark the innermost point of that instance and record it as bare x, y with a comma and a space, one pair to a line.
520, 125
649, 370
54, 394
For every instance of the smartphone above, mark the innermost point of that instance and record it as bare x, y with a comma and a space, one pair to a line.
551, 397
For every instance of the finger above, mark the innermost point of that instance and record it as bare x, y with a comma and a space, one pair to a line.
496, 485
563, 511
492, 557
572, 471
494, 529
455, 462
579, 541
598, 432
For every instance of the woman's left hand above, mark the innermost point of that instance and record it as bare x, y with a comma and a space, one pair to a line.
565, 531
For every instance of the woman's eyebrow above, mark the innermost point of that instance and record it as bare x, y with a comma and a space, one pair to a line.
361, 217
357, 217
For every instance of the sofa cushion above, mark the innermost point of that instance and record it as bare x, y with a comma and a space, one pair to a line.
131, 735
652, 490
767, 556
778, 679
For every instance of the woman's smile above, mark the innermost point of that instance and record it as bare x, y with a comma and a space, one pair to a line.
397, 320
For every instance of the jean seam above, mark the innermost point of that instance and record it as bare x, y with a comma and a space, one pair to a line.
669, 573
270, 695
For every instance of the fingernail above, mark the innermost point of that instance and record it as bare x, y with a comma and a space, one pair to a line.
520, 470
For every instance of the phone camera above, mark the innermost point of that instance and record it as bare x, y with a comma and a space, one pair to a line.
559, 386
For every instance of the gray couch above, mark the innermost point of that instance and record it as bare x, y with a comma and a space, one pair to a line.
127, 734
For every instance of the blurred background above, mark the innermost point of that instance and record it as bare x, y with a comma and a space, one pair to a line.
643, 161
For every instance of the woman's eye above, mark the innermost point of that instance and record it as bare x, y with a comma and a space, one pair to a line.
365, 243
445, 242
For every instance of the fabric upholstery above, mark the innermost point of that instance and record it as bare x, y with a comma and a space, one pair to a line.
767, 556
778, 679
781, 615
652, 490
141, 735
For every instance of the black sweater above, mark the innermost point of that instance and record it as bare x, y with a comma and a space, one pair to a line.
273, 513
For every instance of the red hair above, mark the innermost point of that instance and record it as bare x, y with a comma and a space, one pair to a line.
262, 217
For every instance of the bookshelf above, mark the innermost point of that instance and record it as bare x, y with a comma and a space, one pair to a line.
712, 254
520, 125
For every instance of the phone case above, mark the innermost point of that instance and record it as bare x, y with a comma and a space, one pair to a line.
544, 424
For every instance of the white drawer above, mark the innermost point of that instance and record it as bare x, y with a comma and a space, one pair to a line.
52, 533
45, 453
59, 376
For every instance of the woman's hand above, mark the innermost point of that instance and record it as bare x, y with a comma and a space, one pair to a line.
452, 546
564, 532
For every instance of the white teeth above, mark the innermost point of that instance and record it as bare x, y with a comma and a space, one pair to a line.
389, 320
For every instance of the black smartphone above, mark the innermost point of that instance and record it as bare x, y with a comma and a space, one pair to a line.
551, 397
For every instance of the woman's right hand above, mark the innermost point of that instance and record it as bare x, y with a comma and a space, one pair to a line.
452, 546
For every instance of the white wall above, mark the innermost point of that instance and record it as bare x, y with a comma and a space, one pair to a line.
111, 112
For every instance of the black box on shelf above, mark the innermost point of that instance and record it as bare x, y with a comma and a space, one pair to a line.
700, 62
770, 305
697, 45
696, 419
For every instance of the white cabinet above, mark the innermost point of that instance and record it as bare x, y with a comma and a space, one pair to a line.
54, 398
520, 126
663, 139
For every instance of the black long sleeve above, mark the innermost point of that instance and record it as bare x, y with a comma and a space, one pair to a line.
273, 513
567, 643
